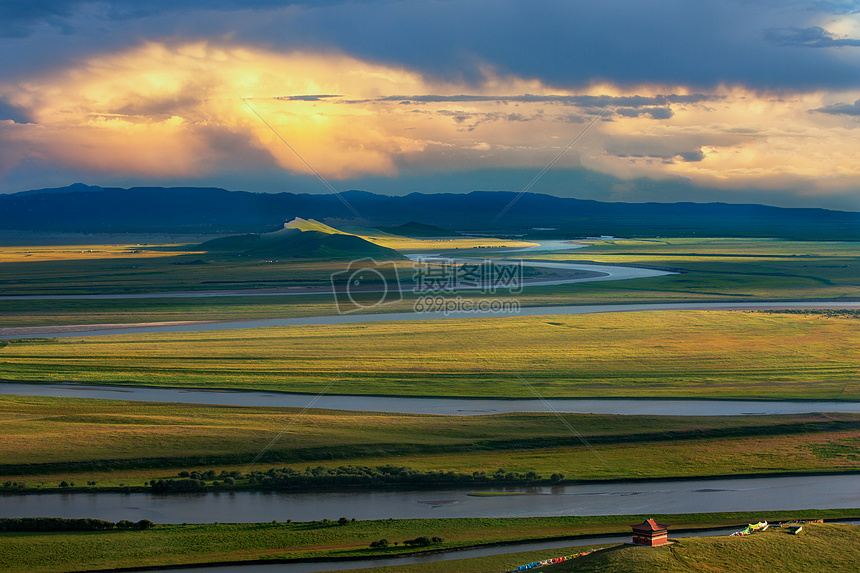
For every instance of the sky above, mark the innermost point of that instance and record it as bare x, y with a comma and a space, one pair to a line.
618, 100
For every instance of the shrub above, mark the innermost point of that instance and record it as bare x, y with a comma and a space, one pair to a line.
422, 541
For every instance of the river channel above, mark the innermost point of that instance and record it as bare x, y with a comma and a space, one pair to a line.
653, 496
439, 406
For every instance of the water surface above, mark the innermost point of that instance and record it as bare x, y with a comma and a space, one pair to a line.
657, 496
440, 406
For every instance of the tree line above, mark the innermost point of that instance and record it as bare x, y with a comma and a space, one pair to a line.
8, 524
321, 477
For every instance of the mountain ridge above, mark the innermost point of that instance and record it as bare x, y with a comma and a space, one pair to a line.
211, 210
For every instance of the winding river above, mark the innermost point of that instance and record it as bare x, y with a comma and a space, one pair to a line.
438, 406
653, 496
746, 494
592, 272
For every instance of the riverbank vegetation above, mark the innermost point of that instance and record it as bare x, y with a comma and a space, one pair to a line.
165, 545
101, 445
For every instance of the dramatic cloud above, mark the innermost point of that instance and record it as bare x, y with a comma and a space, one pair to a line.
813, 37
12, 113
691, 156
718, 93
841, 108
563, 43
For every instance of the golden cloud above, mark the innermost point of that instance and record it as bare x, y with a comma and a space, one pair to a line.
183, 110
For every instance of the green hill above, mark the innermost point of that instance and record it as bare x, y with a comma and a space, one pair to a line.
319, 245
834, 548
232, 244
300, 239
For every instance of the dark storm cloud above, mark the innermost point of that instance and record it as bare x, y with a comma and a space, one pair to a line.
22, 16
840, 7
469, 120
573, 43
813, 37
34, 10
568, 44
307, 97
684, 156
16, 114
691, 156
655, 107
841, 108
577, 100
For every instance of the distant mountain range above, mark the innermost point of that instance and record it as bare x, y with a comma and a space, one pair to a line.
83, 208
418, 230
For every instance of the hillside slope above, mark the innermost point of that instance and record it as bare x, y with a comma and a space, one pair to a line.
834, 548
300, 239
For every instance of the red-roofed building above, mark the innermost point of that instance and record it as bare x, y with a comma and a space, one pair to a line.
649, 532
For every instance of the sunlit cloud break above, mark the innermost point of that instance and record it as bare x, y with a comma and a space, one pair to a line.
176, 109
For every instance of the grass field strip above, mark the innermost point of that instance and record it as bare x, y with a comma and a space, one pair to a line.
555, 412
330, 319
299, 415
607, 273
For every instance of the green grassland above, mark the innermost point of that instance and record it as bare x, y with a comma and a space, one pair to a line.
48, 313
165, 545
145, 271
710, 269
115, 443
667, 354
120, 269
725, 269
703, 354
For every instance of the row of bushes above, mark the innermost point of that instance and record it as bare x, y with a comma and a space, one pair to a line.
14, 485
422, 541
289, 478
21, 485
384, 475
61, 524
829, 312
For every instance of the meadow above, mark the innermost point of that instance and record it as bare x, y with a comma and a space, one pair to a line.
725, 269
165, 545
690, 354
167, 267
104, 445
118, 444
709, 270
